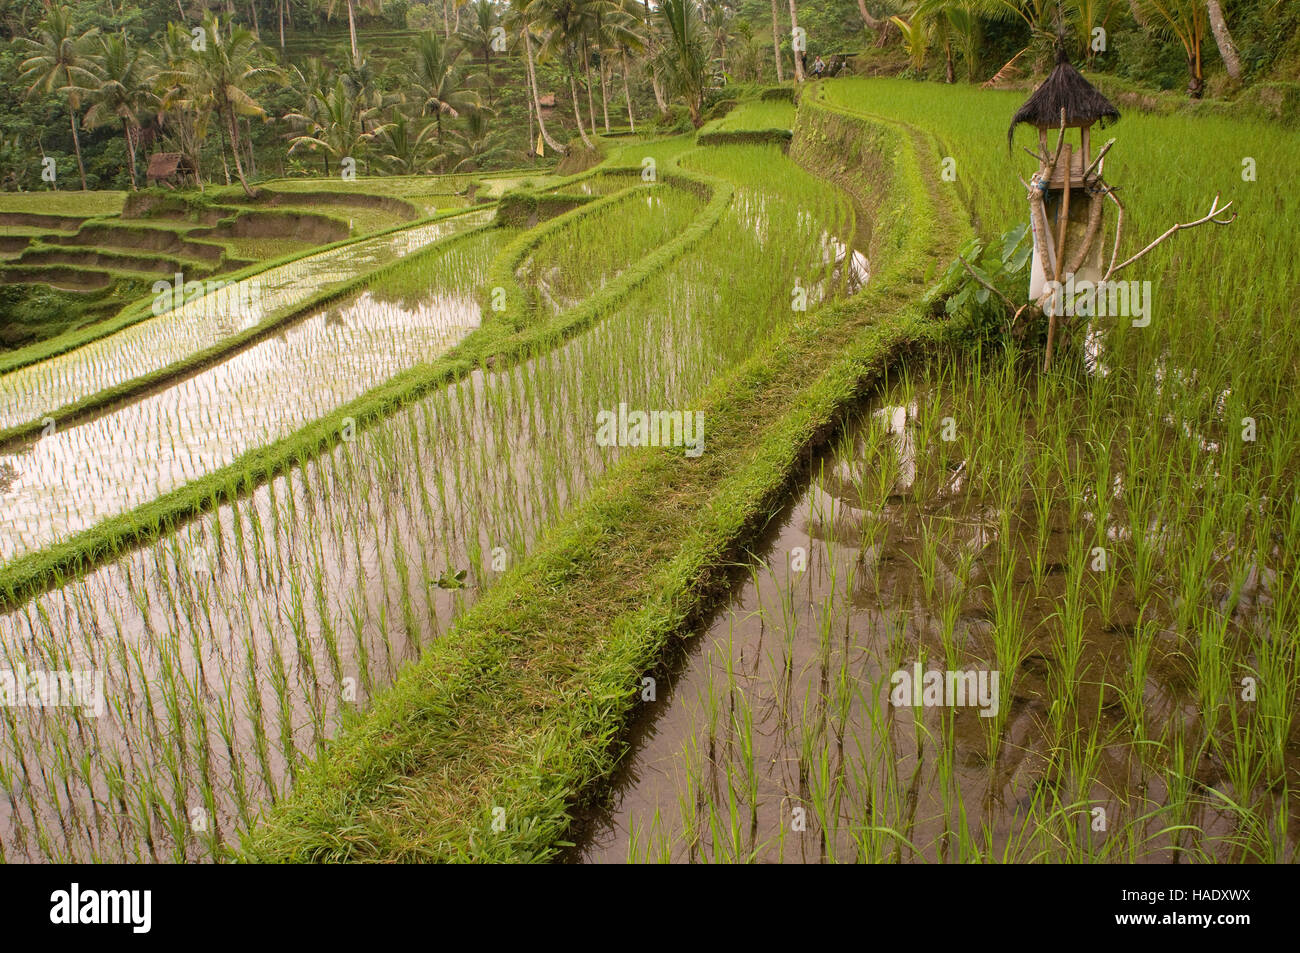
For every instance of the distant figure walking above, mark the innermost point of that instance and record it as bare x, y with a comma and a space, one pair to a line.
819, 67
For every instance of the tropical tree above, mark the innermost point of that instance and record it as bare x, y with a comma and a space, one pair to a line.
519, 18
121, 91
562, 22
776, 40
406, 146
1187, 20
438, 85
337, 125
478, 35
56, 60
682, 62
352, 20
217, 78
474, 145
794, 32
1223, 38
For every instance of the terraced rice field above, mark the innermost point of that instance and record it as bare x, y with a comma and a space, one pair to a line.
378, 585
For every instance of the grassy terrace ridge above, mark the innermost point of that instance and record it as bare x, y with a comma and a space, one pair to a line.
501, 340
518, 707
143, 309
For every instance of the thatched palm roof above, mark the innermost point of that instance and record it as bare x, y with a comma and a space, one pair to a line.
164, 164
1067, 88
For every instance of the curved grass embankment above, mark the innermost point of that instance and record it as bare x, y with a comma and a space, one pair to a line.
483, 747
505, 337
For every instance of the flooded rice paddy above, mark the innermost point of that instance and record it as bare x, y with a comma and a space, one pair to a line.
203, 320
1120, 625
68, 481
232, 649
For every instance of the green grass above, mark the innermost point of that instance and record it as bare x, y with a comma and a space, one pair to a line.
84, 204
512, 713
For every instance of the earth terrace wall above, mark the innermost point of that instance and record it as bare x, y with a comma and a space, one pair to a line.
515, 712
501, 341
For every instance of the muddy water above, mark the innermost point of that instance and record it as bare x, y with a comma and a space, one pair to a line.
774, 734
32, 392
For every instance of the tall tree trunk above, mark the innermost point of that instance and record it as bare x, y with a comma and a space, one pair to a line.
604, 94
586, 75
252, 7
631, 120
798, 54
352, 33
234, 150
282, 4
537, 99
446, 21
225, 166
76, 139
577, 107
76, 145
871, 22
130, 152
248, 142
776, 41
1223, 39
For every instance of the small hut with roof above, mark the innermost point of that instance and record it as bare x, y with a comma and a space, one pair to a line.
171, 169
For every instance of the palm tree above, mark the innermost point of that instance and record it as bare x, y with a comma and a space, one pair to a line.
682, 62
121, 91
519, 18
352, 20
562, 21
1185, 19
217, 79
438, 83
184, 121
405, 146
474, 146
57, 60
478, 36
798, 54
337, 125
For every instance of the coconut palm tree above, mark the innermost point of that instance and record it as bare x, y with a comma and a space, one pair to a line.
439, 86
121, 91
337, 124
682, 62
56, 60
217, 79
475, 145
562, 22
776, 40
352, 20
185, 122
405, 146
478, 36
518, 18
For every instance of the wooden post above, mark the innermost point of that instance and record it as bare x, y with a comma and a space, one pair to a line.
1062, 221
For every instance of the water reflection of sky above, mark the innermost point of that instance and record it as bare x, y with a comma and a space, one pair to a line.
74, 478
32, 392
